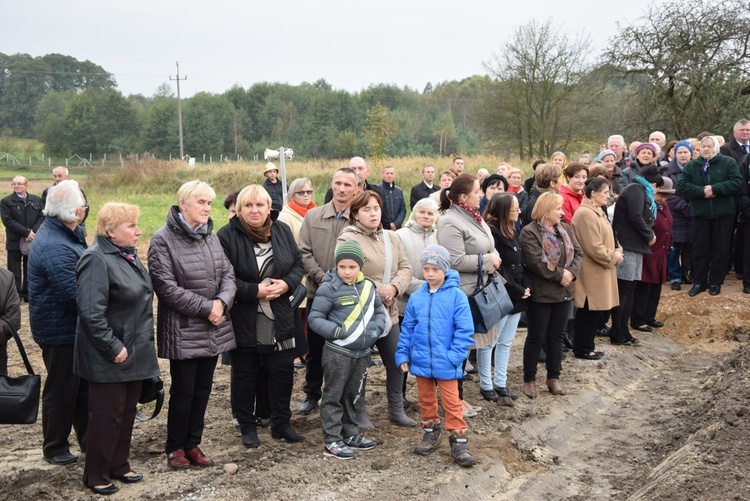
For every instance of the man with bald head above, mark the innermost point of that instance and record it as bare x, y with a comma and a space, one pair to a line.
358, 165
21, 213
59, 174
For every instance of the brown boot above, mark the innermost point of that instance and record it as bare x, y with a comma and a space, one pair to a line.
431, 439
460, 448
529, 389
555, 387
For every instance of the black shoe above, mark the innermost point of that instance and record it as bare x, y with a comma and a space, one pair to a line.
714, 290
633, 341
307, 406
746, 290
104, 491
489, 395
620, 343
603, 332
503, 392
286, 432
696, 289
739, 275
129, 479
596, 355
250, 438
676, 286
644, 328
656, 324
62, 458
468, 377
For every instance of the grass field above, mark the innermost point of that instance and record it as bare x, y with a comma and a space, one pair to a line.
153, 184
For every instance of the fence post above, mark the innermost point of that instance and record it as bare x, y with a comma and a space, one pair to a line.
49, 161
204, 158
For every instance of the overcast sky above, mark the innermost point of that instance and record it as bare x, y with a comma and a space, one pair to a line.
220, 43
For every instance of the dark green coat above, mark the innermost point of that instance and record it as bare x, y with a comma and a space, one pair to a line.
725, 180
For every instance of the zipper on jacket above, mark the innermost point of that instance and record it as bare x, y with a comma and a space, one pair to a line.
429, 328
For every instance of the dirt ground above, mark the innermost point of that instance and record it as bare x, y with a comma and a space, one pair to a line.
665, 420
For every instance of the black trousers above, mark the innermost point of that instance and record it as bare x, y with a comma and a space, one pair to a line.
738, 246
3, 356
247, 367
645, 302
188, 398
620, 332
313, 368
546, 325
65, 400
745, 227
712, 247
586, 323
17, 265
111, 416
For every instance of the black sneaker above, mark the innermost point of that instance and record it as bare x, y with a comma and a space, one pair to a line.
359, 442
307, 406
338, 450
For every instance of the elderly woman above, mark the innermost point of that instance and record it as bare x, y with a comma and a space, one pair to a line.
680, 257
381, 249
194, 282
468, 239
635, 213
515, 186
596, 284
654, 274
559, 159
711, 182
417, 233
268, 268
646, 154
53, 313
553, 259
572, 193
496, 183
114, 349
502, 216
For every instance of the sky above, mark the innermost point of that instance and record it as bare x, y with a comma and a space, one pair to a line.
222, 43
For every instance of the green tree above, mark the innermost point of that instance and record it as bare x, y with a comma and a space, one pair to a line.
207, 124
100, 121
159, 134
378, 130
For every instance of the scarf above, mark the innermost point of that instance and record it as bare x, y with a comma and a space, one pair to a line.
551, 249
517, 189
473, 212
649, 194
126, 252
704, 166
259, 235
302, 211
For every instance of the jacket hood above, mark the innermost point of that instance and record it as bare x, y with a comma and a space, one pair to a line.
451, 280
361, 230
177, 225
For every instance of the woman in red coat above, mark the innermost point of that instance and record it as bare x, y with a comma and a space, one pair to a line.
648, 290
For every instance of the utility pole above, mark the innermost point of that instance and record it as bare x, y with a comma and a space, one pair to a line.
179, 108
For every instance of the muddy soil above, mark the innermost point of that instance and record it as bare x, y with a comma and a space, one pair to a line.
665, 420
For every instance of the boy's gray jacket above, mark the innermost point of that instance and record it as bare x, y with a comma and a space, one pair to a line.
350, 317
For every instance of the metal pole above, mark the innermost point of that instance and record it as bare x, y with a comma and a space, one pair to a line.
283, 173
179, 109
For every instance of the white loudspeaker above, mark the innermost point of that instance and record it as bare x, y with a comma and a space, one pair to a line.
270, 154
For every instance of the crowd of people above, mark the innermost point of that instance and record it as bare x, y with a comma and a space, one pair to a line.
285, 283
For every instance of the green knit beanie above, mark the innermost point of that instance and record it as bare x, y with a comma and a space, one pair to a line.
350, 250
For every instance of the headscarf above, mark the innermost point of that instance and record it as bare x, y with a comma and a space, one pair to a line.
551, 249
705, 162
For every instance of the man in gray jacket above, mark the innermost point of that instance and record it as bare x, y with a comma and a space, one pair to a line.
317, 242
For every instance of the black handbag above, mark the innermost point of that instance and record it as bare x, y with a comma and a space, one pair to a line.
297, 296
489, 302
151, 391
19, 396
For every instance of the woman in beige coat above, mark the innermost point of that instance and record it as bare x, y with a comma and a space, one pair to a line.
365, 228
469, 240
596, 284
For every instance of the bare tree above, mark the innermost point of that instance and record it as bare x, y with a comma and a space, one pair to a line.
539, 73
688, 60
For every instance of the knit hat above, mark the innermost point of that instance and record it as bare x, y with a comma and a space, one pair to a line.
436, 255
686, 144
604, 153
650, 146
350, 250
494, 179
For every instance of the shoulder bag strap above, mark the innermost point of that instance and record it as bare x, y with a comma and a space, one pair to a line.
20, 346
480, 278
388, 258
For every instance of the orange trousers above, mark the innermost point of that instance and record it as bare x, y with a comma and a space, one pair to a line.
428, 403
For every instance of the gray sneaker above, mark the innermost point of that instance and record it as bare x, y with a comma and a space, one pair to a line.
307, 406
431, 439
338, 450
359, 441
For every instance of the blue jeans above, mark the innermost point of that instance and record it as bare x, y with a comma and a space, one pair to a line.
674, 269
506, 332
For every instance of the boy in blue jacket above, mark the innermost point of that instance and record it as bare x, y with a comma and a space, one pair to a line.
349, 314
436, 335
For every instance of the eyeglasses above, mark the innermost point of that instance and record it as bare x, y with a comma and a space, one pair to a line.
85, 207
304, 193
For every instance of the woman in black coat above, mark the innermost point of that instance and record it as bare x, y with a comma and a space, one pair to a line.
268, 268
114, 348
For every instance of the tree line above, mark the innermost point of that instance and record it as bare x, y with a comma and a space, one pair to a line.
545, 90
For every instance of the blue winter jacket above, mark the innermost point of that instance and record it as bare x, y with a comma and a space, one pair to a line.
437, 331
53, 309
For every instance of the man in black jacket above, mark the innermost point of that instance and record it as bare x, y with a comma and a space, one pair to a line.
359, 166
394, 198
425, 188
739, 146
21, 213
